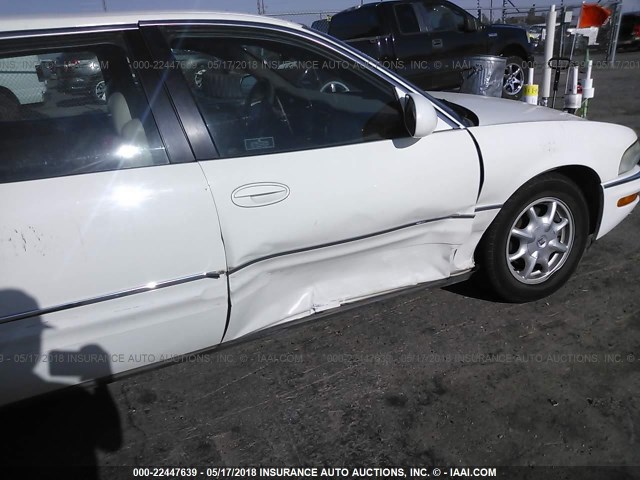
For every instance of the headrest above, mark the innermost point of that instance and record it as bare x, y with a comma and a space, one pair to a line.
119, 110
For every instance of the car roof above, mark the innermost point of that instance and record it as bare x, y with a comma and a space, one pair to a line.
378, 2
26, 23
372, 5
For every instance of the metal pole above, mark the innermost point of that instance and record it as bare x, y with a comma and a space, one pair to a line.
616, 31
563, 14
548, 53
573, 48
104, 5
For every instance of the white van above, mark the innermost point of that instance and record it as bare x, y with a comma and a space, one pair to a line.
19, 76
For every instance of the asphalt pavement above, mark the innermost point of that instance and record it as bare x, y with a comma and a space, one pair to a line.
438, 377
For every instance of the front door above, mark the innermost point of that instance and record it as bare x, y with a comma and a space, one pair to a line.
321, 196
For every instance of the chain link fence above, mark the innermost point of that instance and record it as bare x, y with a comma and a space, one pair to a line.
570, 41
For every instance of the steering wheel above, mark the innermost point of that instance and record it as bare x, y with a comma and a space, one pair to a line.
311, 79
334, 86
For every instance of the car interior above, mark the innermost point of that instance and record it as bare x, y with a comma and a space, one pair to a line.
70, 134
261, 96
256, 96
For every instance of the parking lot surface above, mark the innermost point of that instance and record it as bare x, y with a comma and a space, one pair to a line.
438, 377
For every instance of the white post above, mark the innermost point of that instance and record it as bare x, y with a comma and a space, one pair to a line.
617, 17
573, 99
587, 83
548, 53
530, 90
574, 80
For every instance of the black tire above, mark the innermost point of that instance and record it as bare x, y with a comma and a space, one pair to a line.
9, 106
511, 71
499, 244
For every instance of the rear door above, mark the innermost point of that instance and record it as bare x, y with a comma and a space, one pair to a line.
364, 28
111, 255
322, 198
413, 45
450, 41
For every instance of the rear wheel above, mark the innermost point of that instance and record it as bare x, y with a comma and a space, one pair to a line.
537, 239
514, 78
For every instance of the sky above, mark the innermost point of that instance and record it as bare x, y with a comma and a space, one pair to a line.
12, 7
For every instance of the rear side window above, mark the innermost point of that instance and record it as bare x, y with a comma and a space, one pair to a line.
67, 111
358, 23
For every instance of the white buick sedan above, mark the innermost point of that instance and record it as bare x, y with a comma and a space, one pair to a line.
244, 172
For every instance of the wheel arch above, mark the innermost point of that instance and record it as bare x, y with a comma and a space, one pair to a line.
5, 90
589, 183
9, 105
514, 50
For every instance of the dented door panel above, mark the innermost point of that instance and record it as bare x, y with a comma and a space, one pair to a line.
293, 286
358, 220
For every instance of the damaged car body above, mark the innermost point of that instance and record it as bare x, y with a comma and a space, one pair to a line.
262, 174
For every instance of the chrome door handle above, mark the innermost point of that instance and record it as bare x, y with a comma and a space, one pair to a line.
259, 194
436, 43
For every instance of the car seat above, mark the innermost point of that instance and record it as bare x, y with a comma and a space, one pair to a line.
134, 147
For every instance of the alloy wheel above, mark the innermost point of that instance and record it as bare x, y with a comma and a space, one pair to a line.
513, 79
540, 240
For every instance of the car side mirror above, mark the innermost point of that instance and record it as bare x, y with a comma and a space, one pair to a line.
471, 24
420, 116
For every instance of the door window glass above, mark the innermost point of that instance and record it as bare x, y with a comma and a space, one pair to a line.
442, 18
73, 110
265, 95
407, 18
